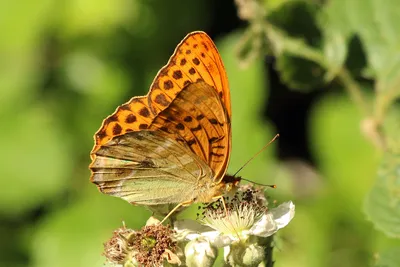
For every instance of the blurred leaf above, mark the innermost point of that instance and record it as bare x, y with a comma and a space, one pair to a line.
382, 204
335, 52
333, 18
35, 159
80, 17
74, 236
97, 88
347, 162
343, 155
275, 4
299, 73
306, 237
388, 258
391, 128
290, 52
298, 20
293, 35
21, 24
17, 81
380, 36
250, 46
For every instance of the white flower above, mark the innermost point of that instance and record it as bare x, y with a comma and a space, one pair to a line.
240, 226
247, 215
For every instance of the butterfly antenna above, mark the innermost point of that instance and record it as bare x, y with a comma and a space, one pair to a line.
255, 155
267, 185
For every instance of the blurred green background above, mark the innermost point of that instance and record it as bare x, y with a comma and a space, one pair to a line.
66, 65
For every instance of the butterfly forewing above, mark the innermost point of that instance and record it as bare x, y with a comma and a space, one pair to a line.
196, 57
197, 118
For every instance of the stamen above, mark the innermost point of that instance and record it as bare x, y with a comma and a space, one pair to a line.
242, 210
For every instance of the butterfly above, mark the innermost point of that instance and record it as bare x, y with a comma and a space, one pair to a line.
173, 145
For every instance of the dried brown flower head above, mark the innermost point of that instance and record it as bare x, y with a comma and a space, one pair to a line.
153, 244
119, 248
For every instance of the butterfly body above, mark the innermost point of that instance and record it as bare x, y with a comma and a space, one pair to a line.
172, 145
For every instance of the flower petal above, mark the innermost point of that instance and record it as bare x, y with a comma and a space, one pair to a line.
171, 257
152, 221
274, 220
190, 225
266, 226
283, 214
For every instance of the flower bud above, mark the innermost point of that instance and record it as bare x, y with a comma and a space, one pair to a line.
200, 253
245, 255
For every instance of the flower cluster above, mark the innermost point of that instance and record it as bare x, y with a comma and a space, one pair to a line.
242, 225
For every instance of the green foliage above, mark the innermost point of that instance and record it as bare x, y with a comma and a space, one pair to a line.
388, 258
344, 42
382, 204
338, 25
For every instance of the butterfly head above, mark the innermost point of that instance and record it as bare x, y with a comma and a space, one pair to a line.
231, 182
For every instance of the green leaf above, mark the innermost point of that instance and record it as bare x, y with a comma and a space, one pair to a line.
332, 18
293, 34
335, 51
297, 19
382, 204
299, 73
376, 23
388, 258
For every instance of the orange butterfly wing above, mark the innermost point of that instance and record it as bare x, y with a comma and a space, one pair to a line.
200, 120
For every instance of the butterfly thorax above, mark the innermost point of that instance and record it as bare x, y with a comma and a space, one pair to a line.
216, 190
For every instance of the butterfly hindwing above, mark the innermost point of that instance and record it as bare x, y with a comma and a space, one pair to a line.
147, 168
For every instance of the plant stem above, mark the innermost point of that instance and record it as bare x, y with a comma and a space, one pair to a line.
269, 262
354, 91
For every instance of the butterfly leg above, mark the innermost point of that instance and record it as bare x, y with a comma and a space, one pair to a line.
174, 209
224, 205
